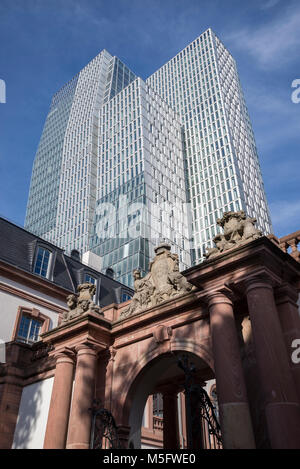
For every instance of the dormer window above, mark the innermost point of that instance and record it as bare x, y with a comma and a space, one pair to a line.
89, 279
125, 297
41, 266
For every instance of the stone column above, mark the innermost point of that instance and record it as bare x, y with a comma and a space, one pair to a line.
235, 420
281, 402
84, 391
170, 413
123, 434
58, 416
286, 301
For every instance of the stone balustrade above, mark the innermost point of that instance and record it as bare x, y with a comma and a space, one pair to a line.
158, 423
291, 241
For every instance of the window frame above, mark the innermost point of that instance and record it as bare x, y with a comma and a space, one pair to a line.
49, 267
33, 313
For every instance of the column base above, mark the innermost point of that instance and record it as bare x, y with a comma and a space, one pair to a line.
284, 425
235, 417
78, 446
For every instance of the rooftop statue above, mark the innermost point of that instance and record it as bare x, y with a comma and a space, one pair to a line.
238, 229
82, 303
163, 282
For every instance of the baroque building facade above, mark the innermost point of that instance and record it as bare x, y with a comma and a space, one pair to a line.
231, 321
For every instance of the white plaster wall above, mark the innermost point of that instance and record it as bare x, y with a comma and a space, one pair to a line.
32, 291
33, 414
9, 304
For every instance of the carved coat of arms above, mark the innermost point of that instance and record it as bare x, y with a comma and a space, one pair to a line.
164, 281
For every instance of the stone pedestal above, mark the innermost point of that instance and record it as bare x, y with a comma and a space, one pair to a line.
84, 391
58, 417
235, 420
281, 402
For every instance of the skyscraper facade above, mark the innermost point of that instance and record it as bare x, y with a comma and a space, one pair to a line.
202, 84
124, 164
140, 194
61, 201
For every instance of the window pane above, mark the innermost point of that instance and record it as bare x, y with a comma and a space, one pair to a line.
34, 330
24, 328
89, 279
29, 330
42, 262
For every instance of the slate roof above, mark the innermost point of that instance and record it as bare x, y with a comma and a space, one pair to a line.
18, 248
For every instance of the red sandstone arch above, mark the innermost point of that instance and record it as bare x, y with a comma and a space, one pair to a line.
132, 384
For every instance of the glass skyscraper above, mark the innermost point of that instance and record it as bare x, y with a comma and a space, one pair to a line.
62, 195
119, 158
202, 84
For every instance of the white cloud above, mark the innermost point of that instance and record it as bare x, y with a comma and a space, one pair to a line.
269, 4
275, 118
273, 44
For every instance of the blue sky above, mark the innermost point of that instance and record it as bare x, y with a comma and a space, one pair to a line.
43, 43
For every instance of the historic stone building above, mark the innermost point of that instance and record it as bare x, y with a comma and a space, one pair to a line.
234, 319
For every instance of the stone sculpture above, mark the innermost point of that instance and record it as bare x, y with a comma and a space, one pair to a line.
83, 303
164, 281
238, 229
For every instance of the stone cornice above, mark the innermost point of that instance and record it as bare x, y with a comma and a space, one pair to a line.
34, 299
33, 281
88, 327
188, 303
260, 254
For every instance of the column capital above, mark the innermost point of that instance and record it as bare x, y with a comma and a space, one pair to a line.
87, 348
64, 355
286, 292
221, 296
261, 280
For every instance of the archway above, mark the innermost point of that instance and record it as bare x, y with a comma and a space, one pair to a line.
159, 374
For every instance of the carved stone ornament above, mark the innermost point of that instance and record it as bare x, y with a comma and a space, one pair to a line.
238, 230
163, 282
82, 303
